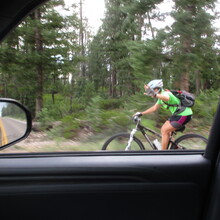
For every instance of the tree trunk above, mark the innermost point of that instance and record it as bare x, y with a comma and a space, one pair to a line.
39, 67
39, 98
150, 25
198, 82
82, 65
184, 80
114, 81
140, 25
71, 95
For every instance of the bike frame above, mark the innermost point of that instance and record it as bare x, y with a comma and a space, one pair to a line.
143, 130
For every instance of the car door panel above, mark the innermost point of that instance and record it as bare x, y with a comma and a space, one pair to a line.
119, 187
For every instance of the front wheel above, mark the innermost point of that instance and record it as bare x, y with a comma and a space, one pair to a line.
118, 142
190, 142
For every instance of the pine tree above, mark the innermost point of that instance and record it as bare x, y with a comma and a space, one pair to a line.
191, 38
44, 47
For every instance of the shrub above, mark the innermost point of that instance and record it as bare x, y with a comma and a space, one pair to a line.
101, 116
45, 118
69, 127
206, 105
107, 104
121, 120
70, 124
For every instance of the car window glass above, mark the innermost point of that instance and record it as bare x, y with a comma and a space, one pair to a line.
80, 66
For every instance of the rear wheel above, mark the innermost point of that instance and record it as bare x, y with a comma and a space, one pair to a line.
190, 142
118, 142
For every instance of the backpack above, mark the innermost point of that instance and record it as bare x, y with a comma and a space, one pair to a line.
187, 99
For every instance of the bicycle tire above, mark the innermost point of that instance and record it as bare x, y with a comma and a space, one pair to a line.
190, 142
106, 145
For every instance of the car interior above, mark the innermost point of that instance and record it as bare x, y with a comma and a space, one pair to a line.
174, 185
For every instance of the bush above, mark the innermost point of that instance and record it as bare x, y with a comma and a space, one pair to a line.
138, 102
45, 118
69, 127
59, 109
107, 104
206, 105
108, 115
121, 120
70, 124
62, 110
100, 115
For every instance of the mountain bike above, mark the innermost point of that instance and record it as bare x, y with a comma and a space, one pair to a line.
127, 141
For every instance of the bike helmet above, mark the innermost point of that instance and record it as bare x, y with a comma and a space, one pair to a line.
156, 84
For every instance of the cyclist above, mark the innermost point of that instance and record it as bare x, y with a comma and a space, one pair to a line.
180, 115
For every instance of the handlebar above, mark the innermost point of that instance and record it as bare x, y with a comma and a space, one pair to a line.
136, 119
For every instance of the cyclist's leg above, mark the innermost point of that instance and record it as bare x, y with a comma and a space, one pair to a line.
166, 130
177, 122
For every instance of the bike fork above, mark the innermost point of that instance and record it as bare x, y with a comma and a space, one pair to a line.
128, 147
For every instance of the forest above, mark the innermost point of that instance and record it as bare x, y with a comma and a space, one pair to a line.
54, 63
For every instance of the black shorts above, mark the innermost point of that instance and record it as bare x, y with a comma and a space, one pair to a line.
178, 121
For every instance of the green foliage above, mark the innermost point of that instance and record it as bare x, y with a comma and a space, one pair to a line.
138, 102
55, 109
45, 118
58, 109
150, 123
84, 90
146, 59
100, 115
99, 85
38, 52
70, 124
107, 104
206, 105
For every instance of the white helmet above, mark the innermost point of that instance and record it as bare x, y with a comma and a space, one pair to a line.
156, 84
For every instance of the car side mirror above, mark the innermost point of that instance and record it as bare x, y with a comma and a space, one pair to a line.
15, 122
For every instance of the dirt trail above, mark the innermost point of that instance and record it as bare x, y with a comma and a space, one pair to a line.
39, 142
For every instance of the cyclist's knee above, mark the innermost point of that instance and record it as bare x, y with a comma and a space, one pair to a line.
164, 130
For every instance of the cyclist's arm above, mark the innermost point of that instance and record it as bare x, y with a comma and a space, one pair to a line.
151, 109
164, 97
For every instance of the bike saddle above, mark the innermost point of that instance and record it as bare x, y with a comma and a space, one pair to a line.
181, 129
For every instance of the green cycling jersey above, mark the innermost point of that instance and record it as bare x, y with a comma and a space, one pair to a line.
173, 101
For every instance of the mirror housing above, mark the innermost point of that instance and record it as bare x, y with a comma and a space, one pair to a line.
15, 122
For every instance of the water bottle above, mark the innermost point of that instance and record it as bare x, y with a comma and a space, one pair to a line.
157, 144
